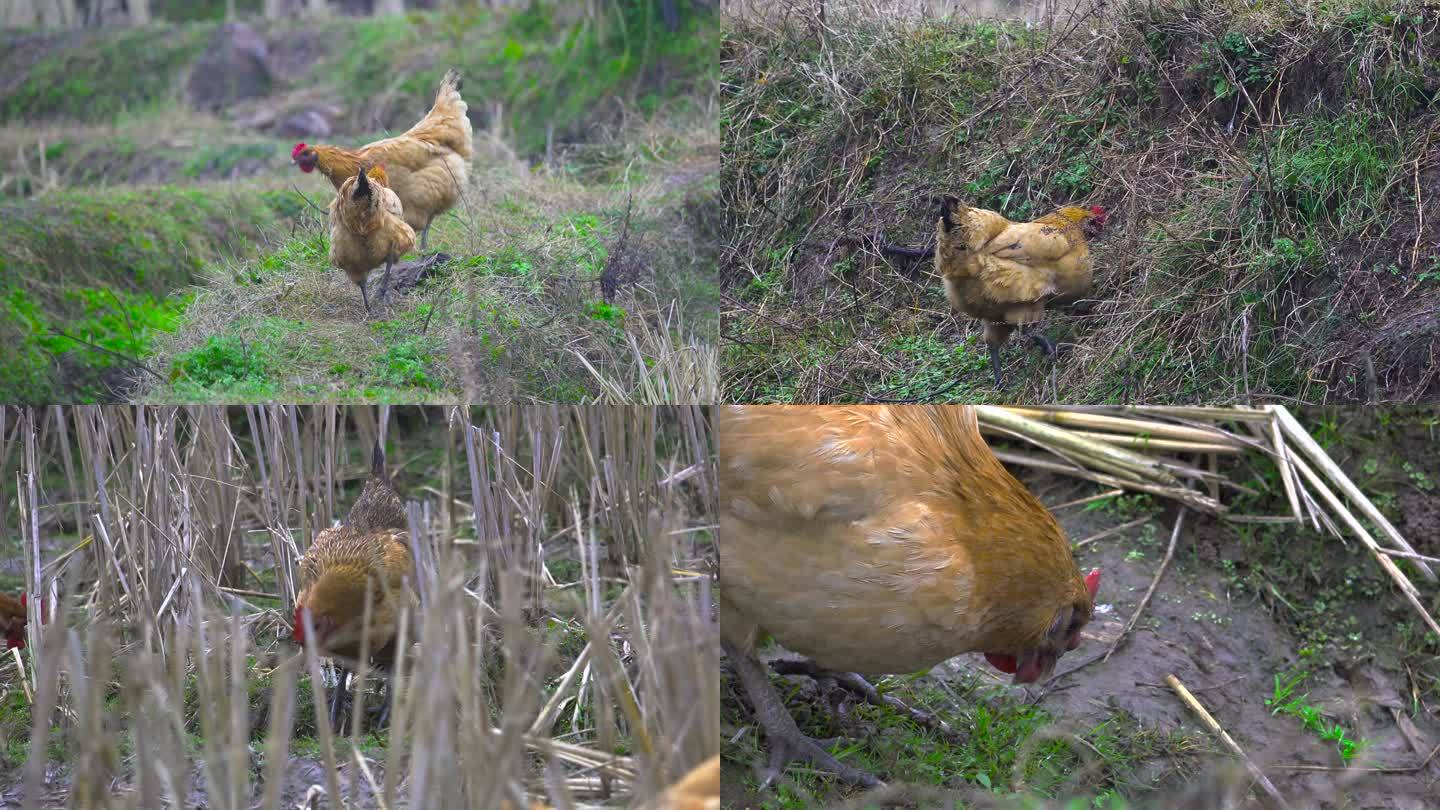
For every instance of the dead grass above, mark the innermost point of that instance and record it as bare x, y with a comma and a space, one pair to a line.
566, 643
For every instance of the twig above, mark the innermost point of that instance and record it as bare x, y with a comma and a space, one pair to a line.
1113, 530
1109, 493
1215, 728
308, 202
127, 358
1309, 447
1154, 583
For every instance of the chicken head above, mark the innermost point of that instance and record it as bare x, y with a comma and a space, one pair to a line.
1094, 225
305, 157
1036, 663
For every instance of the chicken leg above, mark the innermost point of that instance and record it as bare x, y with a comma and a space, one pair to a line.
852, 682
1046, 344
364, 296
424, 235
340, 696
385, 284
995, 364
787, 744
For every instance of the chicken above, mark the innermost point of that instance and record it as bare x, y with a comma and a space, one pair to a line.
13, 620
1006, 273
366, 552
428, 164
883, 539
697, 790
367, 230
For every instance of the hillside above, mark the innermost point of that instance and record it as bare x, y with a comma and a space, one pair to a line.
1270, 170
155, 241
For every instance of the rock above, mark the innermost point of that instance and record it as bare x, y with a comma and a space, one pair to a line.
235, 66
308, 123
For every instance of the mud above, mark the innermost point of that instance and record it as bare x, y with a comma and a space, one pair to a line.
1227, 652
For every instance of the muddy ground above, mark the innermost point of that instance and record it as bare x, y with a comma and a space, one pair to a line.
1238, 606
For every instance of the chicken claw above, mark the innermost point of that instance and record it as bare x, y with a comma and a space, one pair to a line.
858, 685
787, 744
1046, 344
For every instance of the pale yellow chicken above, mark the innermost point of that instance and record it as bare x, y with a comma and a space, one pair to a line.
1006, 273
367, 229
428, 163
882, 539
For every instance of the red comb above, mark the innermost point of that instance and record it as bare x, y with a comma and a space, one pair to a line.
1097, 210
1092, 582
295, 153
299, 636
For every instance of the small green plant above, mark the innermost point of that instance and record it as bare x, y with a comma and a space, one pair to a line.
1283, 700
221, 362
604, 311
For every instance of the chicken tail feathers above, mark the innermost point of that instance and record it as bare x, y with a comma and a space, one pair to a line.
362, 183
377, 459
378, 506
447, 124
450, 84
948, 204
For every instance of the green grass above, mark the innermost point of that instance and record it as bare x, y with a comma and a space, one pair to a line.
97, 78
1006, 743
504, 318
1283, 700
88, 278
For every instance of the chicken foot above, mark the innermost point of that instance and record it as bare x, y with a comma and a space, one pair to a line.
995, 364
852, 682
1046, 344
787, 744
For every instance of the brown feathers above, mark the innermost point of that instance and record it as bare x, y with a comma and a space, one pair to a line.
428, 165
369, 551
881, 539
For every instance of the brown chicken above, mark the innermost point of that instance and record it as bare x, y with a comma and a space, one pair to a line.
882, 539
368, 552
367, 230
1006, 273
429, 164
697, 790
13, 621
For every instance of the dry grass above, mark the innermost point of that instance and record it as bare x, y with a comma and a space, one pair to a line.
565, 647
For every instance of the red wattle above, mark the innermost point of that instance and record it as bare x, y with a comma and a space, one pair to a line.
1005, 663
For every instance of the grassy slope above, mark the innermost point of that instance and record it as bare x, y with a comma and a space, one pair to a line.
637, 98
1282, 259
498, 322
101, 266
